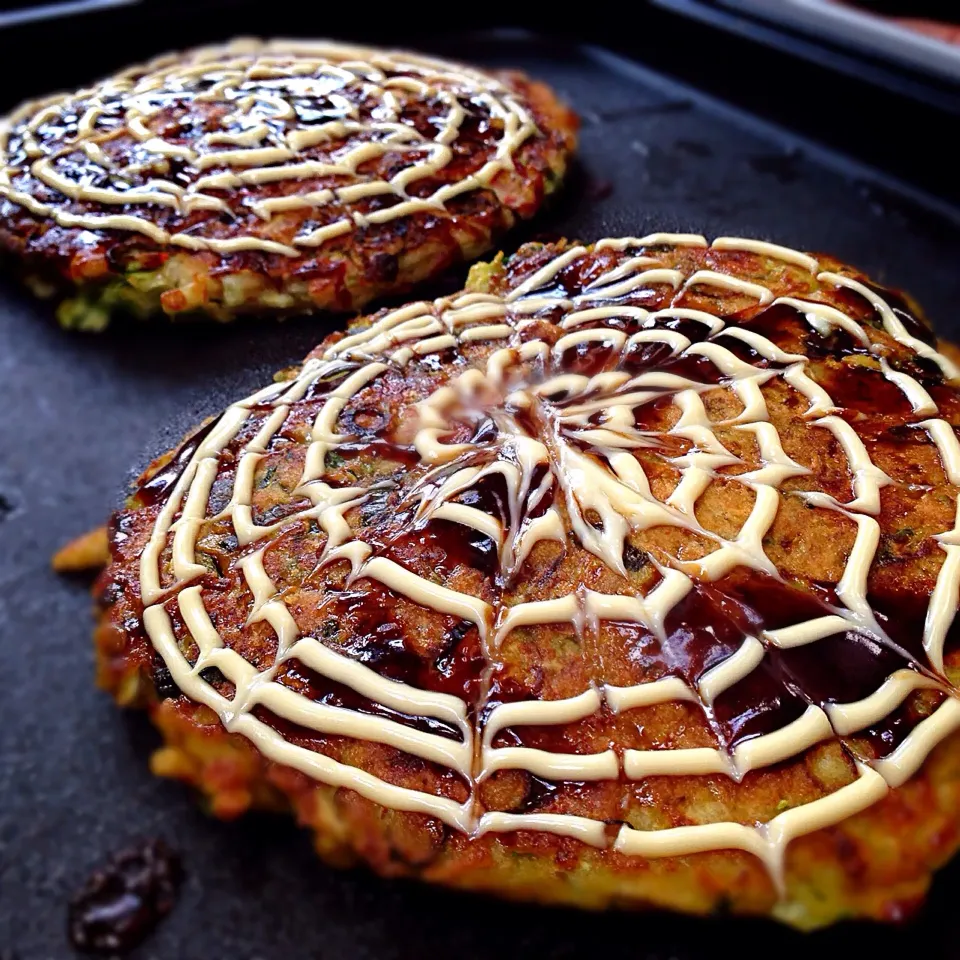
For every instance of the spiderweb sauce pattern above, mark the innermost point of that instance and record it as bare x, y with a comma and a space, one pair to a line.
555, 422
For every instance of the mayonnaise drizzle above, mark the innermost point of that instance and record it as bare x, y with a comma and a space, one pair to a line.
273, 94
549, 464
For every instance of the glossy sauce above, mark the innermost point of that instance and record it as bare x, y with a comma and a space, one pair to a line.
157, 488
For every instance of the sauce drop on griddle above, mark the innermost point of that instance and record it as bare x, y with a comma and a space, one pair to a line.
124, 900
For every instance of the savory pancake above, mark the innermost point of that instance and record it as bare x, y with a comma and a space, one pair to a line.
271, 178
626, 576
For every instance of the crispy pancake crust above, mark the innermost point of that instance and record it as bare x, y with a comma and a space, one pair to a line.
874, 864
270, 268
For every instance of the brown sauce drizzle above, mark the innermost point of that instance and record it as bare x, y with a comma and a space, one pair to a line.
901, 614
866, 393
157, 488
334, 376
539, 794
448, 782
885, 736
365, 451
697, 369
444, 546
489, 494
898, 303
588, 358
699, 635
713, 620
321, 689
640, 357
755, 705
365, 626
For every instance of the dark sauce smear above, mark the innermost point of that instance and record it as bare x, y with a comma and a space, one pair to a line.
490, 495
452, 783
123, 901
364, 625
485, 432
698, 635
323, 386
588, 358
898, 303
755, 705
444, 545
379, 448
158, 487
786, 327
641, 357
864, 393
540, 793
887, 734
711, 622
902, 615
322, 689
695, 368
539, 508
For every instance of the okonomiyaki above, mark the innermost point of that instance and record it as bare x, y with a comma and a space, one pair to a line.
625, 576
272, 178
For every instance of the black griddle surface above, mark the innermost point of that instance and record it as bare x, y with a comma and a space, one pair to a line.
82, 414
